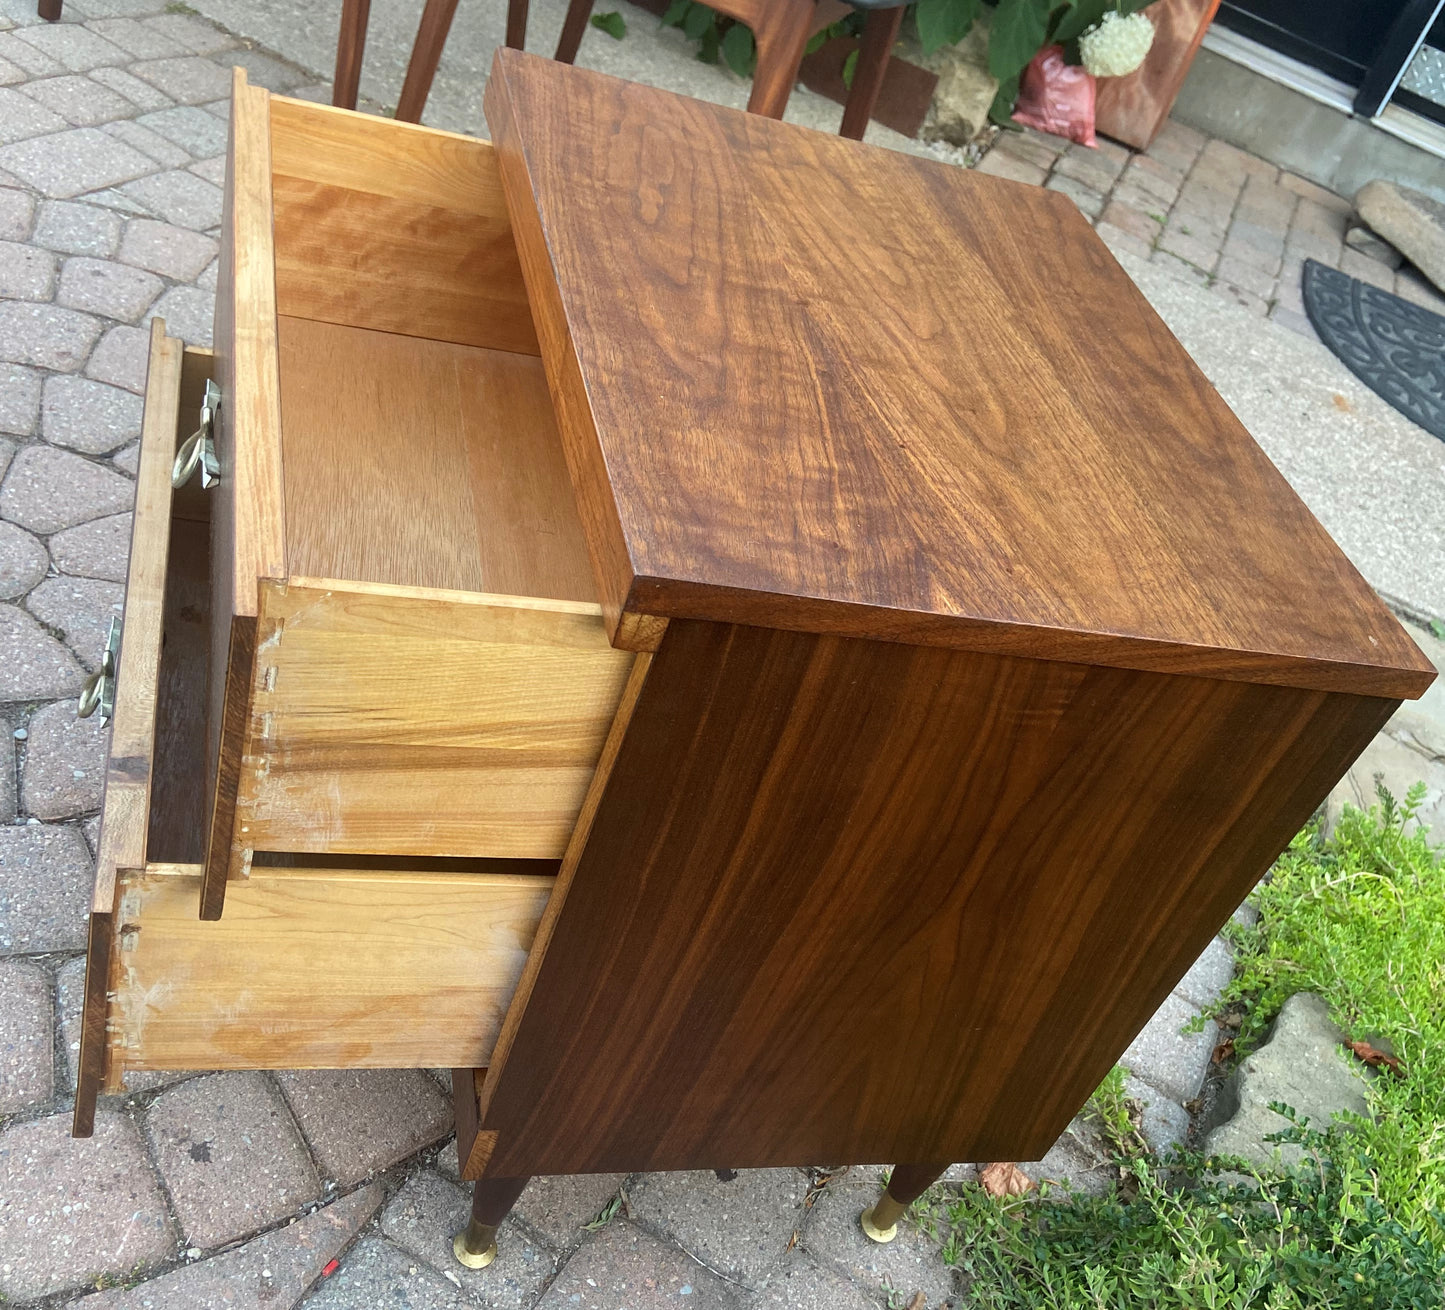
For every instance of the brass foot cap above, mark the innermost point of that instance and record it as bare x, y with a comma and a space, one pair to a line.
873, 1232
478, 1260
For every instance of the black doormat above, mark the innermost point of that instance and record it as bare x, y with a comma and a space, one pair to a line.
1395, 348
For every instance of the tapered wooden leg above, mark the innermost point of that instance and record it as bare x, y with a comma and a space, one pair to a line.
908, 1183
876, 48
517, 24
49, 10
573, 28
350, 47
781, 33
492, 1201
426, 54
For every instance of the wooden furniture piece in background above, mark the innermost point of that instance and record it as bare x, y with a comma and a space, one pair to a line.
1132, 109
785, 718
426, 51
781, 29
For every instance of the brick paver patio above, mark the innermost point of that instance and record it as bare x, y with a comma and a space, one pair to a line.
241, 1188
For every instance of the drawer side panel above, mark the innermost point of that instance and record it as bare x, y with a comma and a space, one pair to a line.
394, 721
318, 969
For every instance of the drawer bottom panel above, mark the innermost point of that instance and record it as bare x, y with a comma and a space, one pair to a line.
316, 968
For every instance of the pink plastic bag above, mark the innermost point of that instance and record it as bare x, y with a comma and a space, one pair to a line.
1057, 97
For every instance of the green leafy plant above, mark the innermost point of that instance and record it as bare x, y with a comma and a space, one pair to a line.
1360, 919
1018, 31
612, 23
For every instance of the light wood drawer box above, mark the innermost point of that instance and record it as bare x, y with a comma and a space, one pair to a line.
889, 696
310, 967
408, 654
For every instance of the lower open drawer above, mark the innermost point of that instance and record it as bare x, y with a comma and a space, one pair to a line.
315, 968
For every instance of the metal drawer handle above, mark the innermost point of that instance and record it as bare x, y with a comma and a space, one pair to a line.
198, 451
99, 690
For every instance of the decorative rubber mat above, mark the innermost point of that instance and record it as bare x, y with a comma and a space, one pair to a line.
1395, 348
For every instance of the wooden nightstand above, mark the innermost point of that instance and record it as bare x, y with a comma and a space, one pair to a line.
752, 649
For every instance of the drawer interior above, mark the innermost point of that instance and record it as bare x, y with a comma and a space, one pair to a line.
418, 442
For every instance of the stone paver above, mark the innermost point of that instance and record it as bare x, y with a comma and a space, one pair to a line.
49, 490
94, 550
121, 358
46, 336
269, 1273
91, 417
558, 1208
429, 1210
98, 286
45, 878
174, 252
27, 1045
802, 1284
19, 399
623, 1268
71, 1211
33, 665
359, 1121
67, 164
74, 228
374, 1273
26, 272
229, 1155
9, 788
188, 313
1173, 1062
908, 1264
23, 561
64, 772
80, 609
1209, 975
737, 1222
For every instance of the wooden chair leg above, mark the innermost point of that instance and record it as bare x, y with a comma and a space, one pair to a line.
517, 24
49, 10
782, 34
573, 28
907, 1183
426, 54
350, 46
492, 1201
879, 35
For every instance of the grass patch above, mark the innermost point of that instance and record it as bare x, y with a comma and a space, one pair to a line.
1361, 920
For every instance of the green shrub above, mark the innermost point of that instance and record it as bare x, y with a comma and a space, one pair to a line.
1359, 919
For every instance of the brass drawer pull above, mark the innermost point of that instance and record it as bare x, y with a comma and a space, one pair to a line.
99, 690
198, 451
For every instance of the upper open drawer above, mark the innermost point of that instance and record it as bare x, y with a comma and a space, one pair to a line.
407, 654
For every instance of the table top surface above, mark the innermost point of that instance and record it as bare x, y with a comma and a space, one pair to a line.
842, 389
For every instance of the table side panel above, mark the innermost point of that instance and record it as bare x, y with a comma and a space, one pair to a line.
849, 900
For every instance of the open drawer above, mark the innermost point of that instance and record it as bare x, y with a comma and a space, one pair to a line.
384, 964
407, 654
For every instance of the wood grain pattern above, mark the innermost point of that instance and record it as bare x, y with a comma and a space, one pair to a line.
125, 809
855, 900
393, 227
394, 721
425, 463
938, 450
317, 969
1132, 109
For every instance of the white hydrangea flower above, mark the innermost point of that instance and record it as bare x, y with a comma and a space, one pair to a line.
1116, 46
